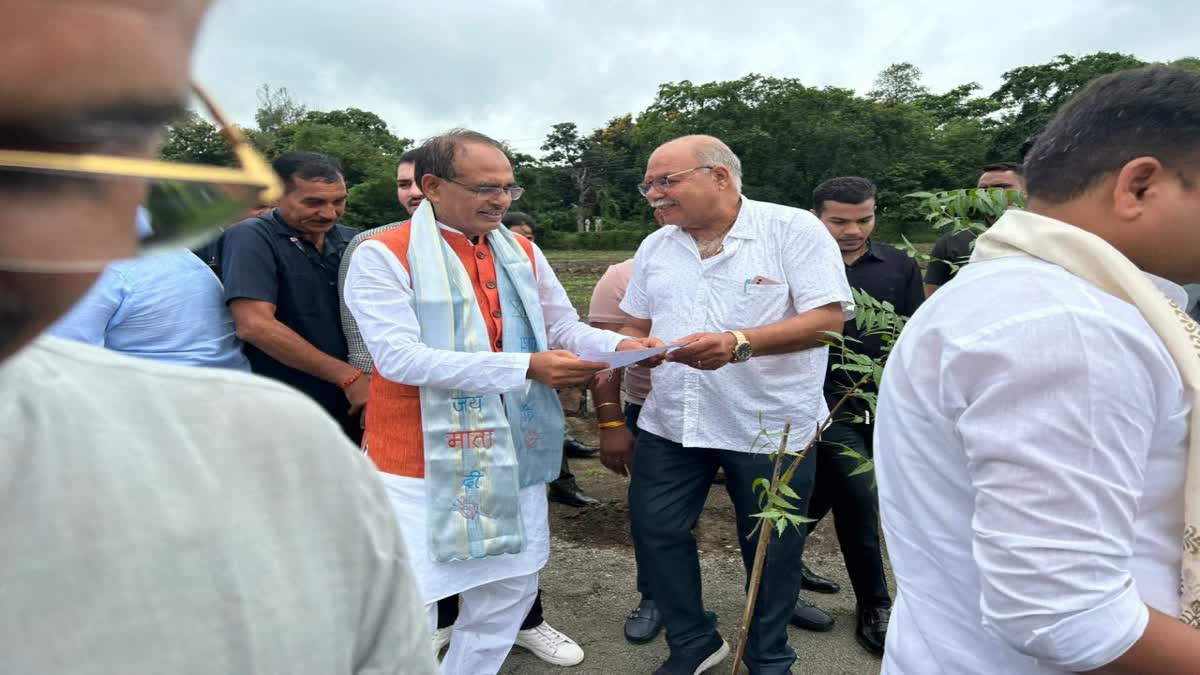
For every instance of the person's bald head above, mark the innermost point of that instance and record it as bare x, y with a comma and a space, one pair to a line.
693, 179
80, 77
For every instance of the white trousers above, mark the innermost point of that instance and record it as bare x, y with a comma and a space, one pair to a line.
489, 617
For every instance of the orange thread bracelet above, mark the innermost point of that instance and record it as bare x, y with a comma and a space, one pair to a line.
610, 425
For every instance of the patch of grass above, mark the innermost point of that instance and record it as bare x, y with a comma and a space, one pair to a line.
595, 257
580, 270
579, 289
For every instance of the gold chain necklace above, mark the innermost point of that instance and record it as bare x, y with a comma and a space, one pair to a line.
712, 247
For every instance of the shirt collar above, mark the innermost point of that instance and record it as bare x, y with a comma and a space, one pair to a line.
446, 228
872, 252
745, 226
283, 229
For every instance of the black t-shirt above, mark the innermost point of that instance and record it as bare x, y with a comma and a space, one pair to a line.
264, 258
955, 248
889, 275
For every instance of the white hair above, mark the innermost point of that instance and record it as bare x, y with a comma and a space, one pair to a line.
712, 151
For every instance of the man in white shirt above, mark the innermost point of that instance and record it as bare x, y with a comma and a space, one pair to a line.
1032, 428
159, 518
753, 288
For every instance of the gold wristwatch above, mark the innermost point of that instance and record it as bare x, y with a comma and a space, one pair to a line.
742, 351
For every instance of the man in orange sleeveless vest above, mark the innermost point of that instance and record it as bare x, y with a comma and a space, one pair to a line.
433, 373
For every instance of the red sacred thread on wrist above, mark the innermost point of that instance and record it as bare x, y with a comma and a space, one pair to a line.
352, 380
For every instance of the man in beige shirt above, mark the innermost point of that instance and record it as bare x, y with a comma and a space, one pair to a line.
616, 443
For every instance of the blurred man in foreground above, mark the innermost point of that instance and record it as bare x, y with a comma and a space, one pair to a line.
157, 518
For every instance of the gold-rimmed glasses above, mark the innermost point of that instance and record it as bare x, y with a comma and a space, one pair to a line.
185, 203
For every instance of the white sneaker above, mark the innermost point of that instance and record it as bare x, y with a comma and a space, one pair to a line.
441, 638
550, 645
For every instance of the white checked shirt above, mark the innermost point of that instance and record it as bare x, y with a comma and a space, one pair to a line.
1030, 456
681, 294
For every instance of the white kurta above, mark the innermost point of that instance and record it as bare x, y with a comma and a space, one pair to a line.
1030, 452
379, 293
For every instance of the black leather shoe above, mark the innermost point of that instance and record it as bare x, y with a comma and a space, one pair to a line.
810, 617
576, 450
644, 623
568, 492
811, 581
871, 632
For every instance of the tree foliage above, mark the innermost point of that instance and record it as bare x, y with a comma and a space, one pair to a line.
898, 84
789, 136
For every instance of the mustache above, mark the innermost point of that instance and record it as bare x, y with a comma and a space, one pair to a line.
660, 203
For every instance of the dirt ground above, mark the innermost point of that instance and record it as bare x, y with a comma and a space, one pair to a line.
588, 586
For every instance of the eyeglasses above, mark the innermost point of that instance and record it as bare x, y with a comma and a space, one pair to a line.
666, 182
490, 191
185, 203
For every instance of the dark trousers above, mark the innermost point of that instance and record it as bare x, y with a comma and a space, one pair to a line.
855, 506
666, 496
632, 412
564, 472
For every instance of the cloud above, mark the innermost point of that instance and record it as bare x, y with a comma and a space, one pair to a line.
512, 68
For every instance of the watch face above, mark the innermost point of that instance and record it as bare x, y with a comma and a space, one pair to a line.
742, 351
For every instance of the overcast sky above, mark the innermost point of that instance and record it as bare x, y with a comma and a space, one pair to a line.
512, 68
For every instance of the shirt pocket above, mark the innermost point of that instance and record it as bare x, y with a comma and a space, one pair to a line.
739, 304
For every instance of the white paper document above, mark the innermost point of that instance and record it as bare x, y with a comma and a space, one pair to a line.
623, 359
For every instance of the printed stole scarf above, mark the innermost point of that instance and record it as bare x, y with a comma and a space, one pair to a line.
480, 448
1089, 257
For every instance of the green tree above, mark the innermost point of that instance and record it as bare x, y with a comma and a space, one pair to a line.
899, 83
957, 104
585, 164
1187, 63
368, 152
277, 110
192, 139
1031, 95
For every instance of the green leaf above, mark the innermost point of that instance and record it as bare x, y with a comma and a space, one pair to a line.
766, 484
782, 503
863, 468
787, 491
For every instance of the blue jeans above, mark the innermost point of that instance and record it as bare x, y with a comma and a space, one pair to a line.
666, 496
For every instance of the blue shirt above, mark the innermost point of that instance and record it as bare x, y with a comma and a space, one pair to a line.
167, 307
